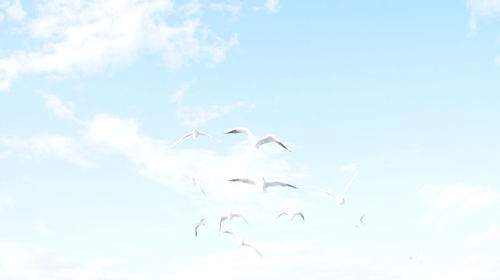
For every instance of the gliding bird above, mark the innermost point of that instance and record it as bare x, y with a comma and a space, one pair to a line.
195, 133
263, 185
340, 199
230, 217
242, 242
193, 180
200, 223
292, 216
256, 142
361, 223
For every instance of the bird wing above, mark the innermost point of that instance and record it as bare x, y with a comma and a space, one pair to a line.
299, 214
271, 138
240, 240
240, 216
243, 130
250, 246
204, 133
279, 184
243, 180
361, 219
221, 220
196, 230
281, 214
349, 183
182, 138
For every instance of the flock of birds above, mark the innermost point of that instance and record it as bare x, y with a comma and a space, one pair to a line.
262, 184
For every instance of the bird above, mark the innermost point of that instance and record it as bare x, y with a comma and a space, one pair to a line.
193, 180
230, 217
263, 185
242, 242
419, 258
361, 223
341, 199
200, 223
195, 133
257, 142
292, 216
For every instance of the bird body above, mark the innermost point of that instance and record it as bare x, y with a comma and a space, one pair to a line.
200, 223
262, 184
230, 217
256, 142
341, 199
194, 133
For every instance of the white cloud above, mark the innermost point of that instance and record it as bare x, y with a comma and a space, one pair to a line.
44, 145
498, 60
464, 198
271, 6
15, 11
196, 116
1, 17
23, 261
90, 35
481, 8
62, 109
493, 234
6, 201
232, 7
179, 94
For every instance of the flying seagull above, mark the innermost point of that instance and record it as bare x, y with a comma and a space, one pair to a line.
242, 242
340, 199
361, 223
195, 183
195, 133
256, 142
419, 258
230, 217
200, 223
292, 216
263, 185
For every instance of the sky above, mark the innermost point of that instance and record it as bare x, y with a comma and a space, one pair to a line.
94, 94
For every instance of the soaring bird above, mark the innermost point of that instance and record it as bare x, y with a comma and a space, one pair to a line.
195, 133
256, 142
292, 216
242, 242
341, 199
230, 217
361, 223
195, 183
263, 184
200, 223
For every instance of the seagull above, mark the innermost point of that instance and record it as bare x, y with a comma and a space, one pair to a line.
256, 142
419, 258
200, 223
242, 242
195, 133
262, 183
361, 222
230, 217
340, 199
292, 216
193, 180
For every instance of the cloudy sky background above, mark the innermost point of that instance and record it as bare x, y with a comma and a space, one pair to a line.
94, 93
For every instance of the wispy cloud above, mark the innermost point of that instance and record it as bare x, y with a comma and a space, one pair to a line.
46, 145
15, 11
196, 116
90, 35
481, 8
6, 201
232, 7
179, 94
493, 234
271, 6
62, 109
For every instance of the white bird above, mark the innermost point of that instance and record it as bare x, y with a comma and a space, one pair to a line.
195, 133
195, 183
242, 242
361, 223
341, 199
292, 216
419, 258
200, 223
230, 217
256, 142
263, 185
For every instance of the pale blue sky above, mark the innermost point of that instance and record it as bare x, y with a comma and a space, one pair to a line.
93, 95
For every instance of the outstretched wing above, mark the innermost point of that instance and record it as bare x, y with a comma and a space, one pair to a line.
299, 214
271, 138
204, 133
349, 183
281, 214
250, 246
243, 180
196, 230
279, 184
182, 138
361, 219
243, 130
221, 220
240, 216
